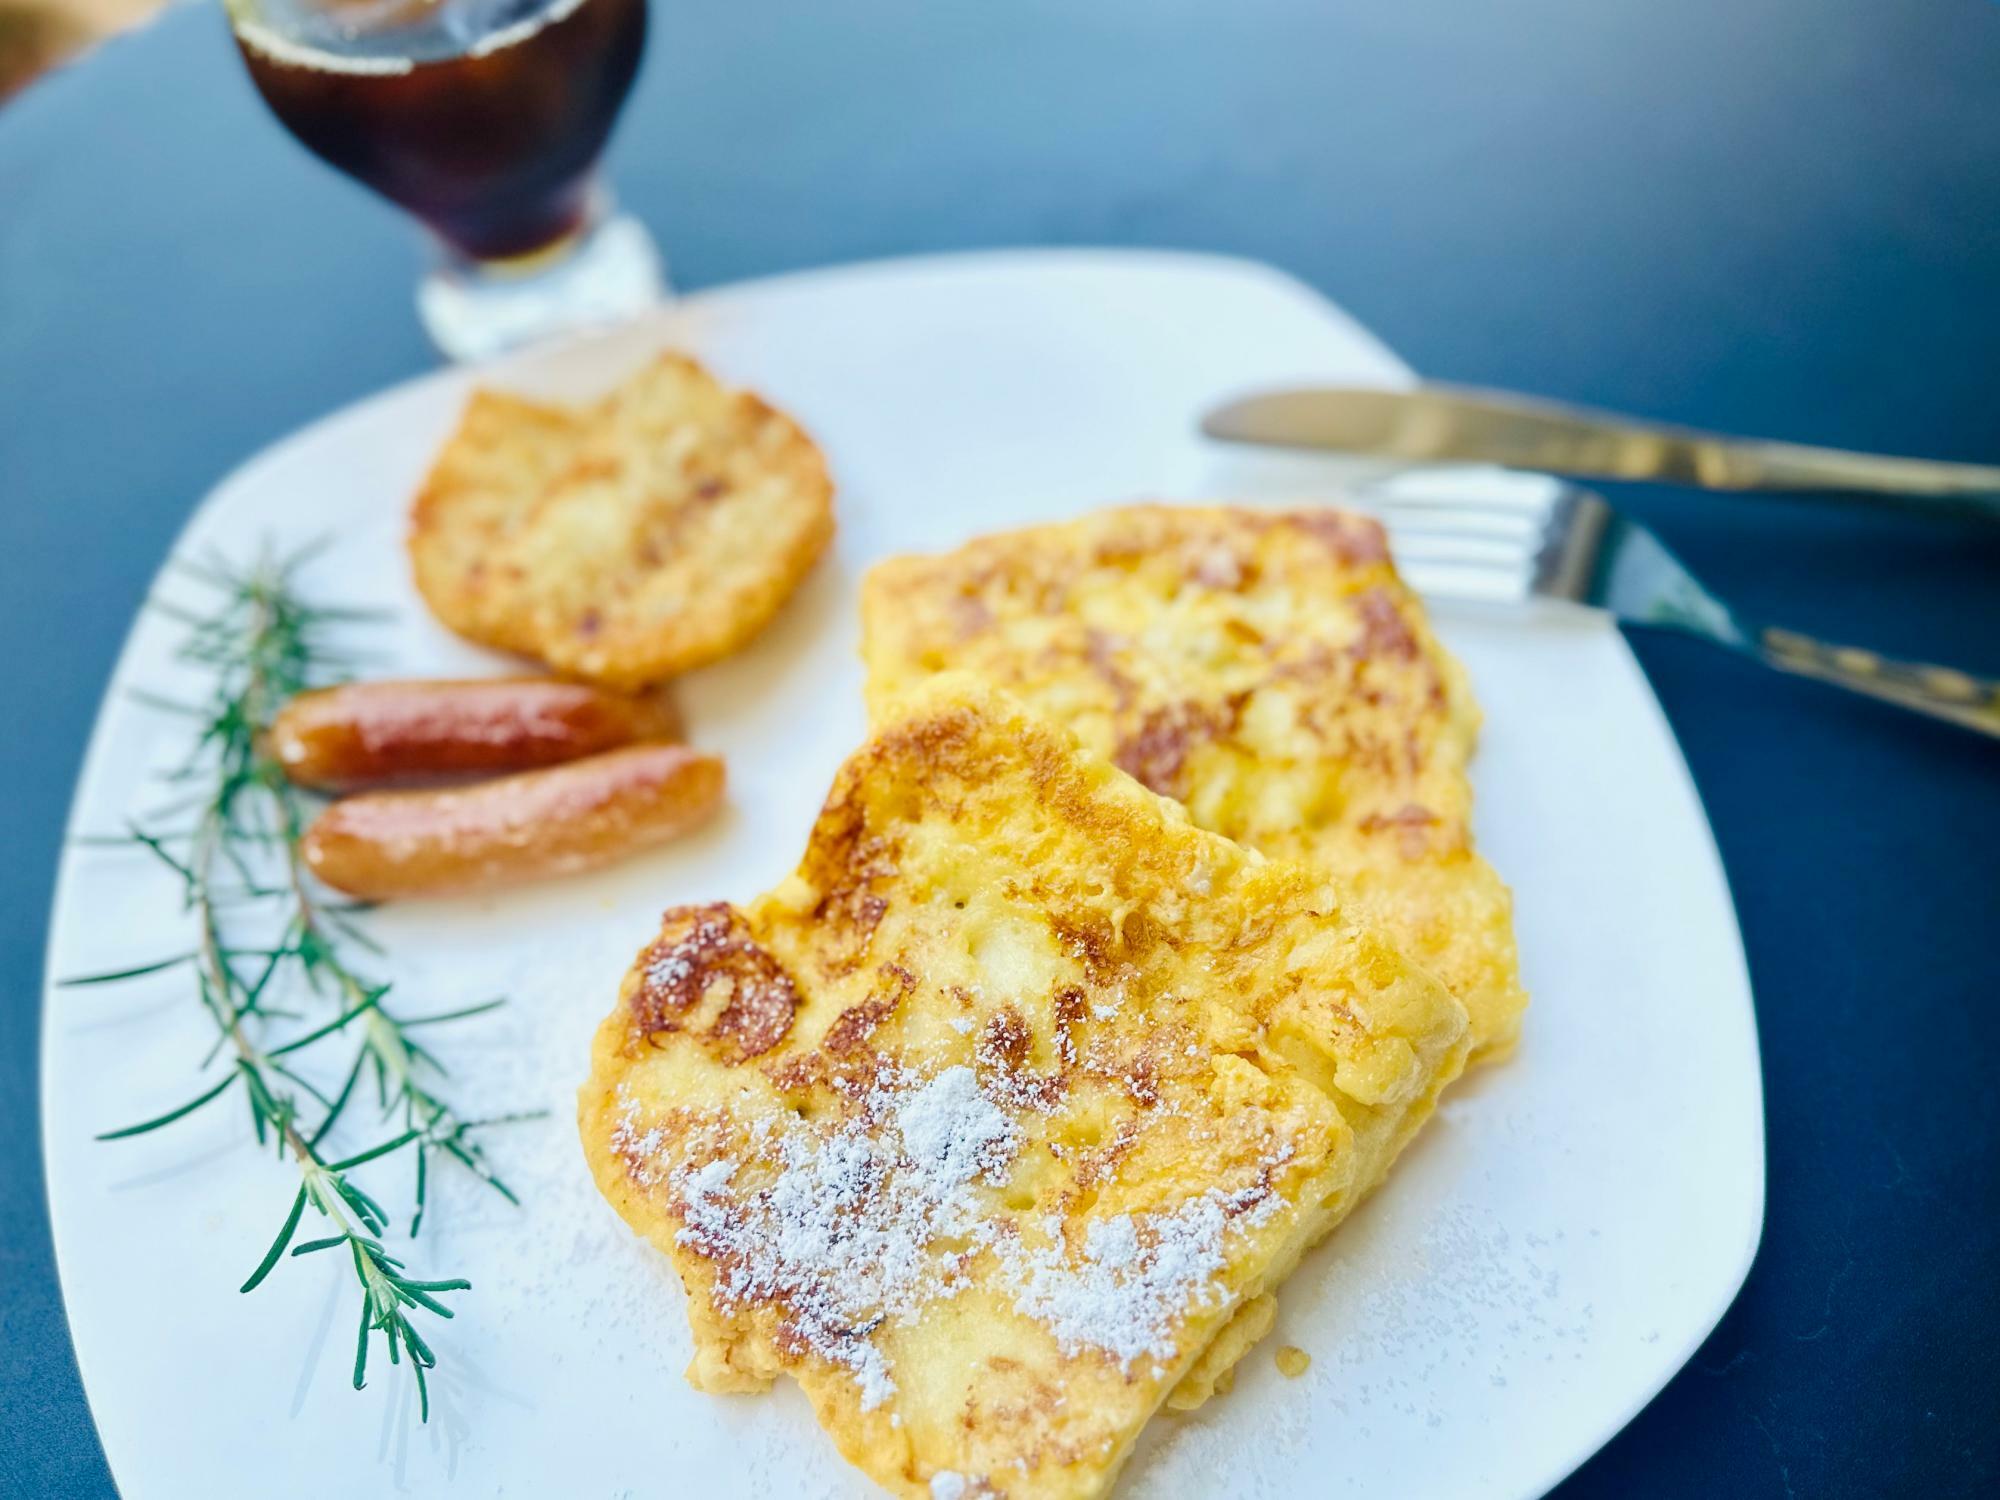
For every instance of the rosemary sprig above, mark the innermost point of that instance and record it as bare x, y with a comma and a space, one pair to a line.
261, 644
398, 1062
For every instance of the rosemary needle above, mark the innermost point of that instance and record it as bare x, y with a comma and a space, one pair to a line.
237, 861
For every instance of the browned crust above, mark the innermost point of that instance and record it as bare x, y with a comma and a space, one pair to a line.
1276, 972
1370, 777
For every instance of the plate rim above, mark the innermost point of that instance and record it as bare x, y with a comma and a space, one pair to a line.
1740, 966
503, 366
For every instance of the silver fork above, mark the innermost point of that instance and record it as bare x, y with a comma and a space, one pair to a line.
1506, 537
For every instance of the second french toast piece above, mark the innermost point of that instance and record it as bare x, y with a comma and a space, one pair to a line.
984, 1123
1267, 669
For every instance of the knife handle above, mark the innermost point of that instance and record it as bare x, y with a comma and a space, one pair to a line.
1912, 483
1562, 438
1961, 698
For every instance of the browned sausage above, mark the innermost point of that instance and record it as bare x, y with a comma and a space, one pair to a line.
381, 845
369, 734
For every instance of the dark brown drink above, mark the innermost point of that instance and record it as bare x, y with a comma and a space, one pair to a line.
483, 118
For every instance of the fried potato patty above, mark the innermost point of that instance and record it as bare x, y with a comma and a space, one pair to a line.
653, 533
505, 455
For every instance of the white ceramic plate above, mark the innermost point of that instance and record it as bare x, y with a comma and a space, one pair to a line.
1549, 1252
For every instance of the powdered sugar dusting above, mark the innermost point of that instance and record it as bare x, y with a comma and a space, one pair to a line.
638, 1147
841, 1236
1136, 1278
668, 970
952, 1134
840, 1227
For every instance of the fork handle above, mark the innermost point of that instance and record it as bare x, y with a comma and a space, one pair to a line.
1961, 698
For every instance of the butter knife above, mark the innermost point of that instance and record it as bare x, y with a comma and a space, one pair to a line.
1458, 424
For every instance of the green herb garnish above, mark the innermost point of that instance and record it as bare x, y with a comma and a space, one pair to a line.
263, 930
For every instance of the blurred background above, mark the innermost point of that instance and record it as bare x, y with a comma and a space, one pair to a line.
38, 34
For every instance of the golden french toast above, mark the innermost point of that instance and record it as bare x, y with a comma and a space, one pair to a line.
1268, 670
650, 534
987, 1121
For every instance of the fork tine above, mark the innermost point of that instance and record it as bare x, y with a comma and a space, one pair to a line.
1466, 533
1476, 585
1475, 569
1487, 490
1440, 519
1446, 549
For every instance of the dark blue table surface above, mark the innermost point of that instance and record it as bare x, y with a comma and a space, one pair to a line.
1780, 216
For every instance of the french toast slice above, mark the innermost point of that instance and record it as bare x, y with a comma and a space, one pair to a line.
986, 1121
1269, 670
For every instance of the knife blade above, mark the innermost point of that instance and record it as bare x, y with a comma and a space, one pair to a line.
1437, 423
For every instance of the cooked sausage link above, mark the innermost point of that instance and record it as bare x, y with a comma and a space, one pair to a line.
370, 734
590, 812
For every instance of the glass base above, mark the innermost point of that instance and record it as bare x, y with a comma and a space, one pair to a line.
473, 310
